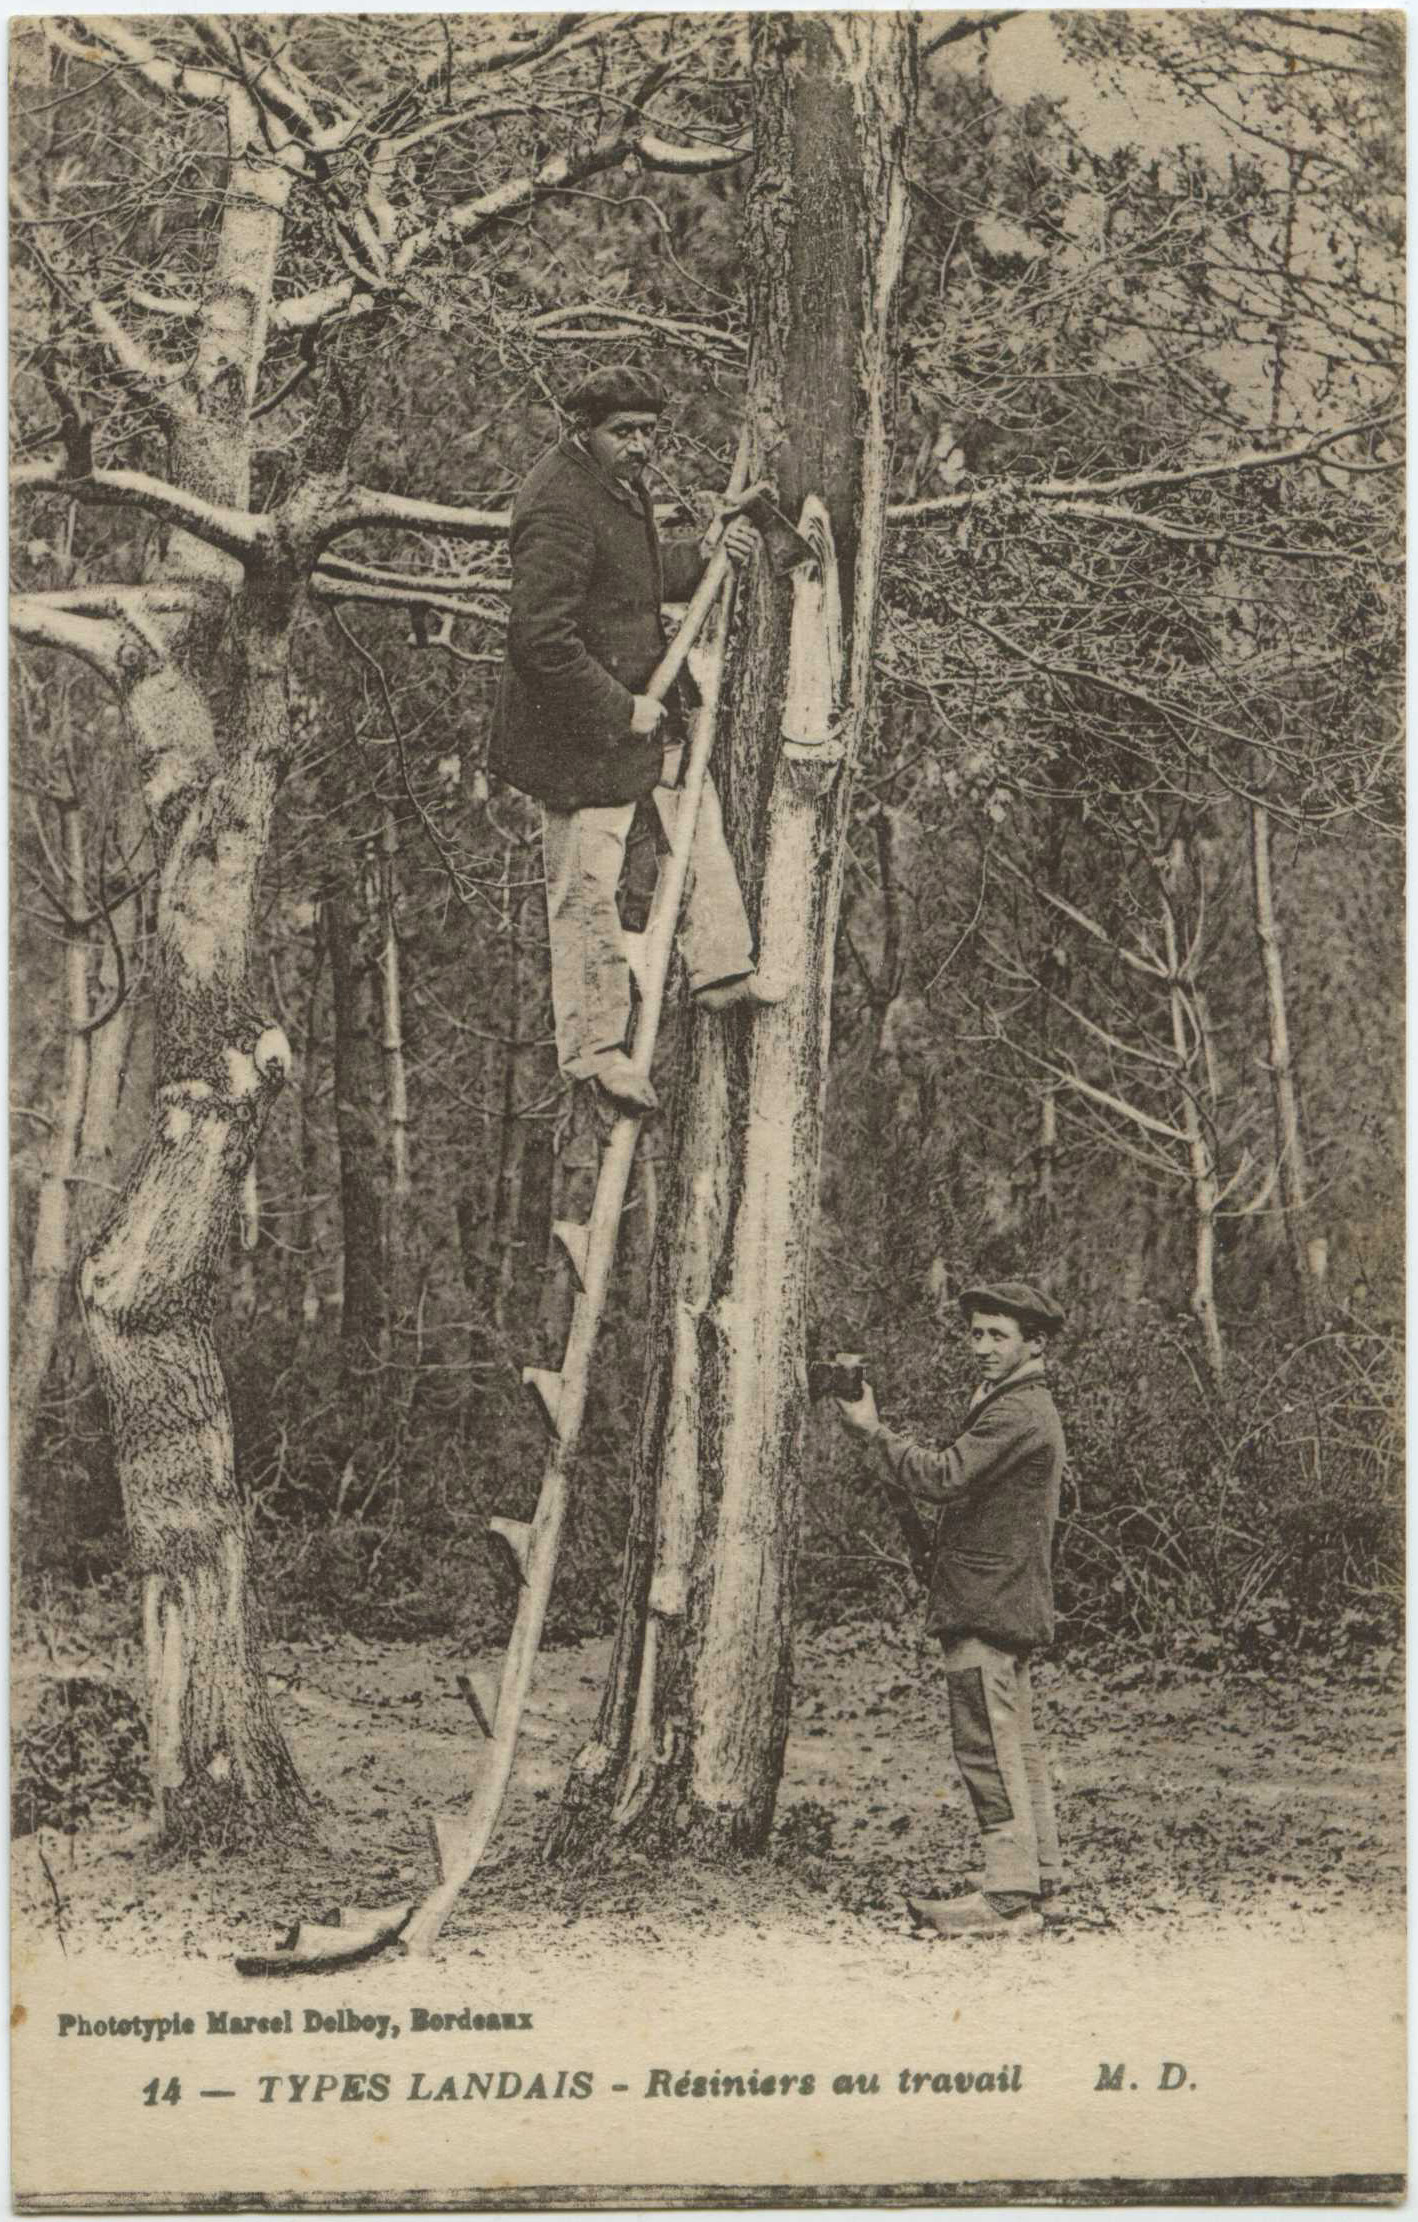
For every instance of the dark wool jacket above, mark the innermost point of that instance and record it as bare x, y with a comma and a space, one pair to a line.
997, 1490
584, 635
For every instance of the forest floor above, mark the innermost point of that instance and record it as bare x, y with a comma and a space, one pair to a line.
1271, 1800
1238, 1845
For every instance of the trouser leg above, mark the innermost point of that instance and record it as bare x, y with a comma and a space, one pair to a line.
1041, 1788
714, 936
583, 852
983, 1684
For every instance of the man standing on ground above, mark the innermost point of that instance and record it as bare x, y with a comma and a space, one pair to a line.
574, 728
994, 1493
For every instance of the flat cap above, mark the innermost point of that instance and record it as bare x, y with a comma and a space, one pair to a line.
1019, 1299
618, 386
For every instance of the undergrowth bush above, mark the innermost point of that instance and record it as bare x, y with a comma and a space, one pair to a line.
1232, 1524
1238, 1525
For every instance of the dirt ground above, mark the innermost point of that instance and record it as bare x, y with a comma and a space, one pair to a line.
1187, 1798
1237, 1841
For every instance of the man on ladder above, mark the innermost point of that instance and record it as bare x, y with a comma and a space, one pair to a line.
573, 727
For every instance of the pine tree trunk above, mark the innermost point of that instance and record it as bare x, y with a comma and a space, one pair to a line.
502, 1261
522, 1200
50, 1254
1308, 1252
1046, 1151
204, 690
354, 942
220, 1768
1204, 1197
690, 1740
116, 1051
1192, 1048
303, 1294
396, 1082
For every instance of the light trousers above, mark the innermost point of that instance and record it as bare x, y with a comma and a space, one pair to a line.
1002, 1763
583, 852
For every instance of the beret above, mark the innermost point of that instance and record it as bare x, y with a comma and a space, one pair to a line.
1017, 1298
618, 386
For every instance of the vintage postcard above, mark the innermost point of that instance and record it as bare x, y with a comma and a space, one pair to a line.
706, 1090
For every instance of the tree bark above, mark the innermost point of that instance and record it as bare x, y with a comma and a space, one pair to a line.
303, 1294
892, 970
690, 1740
1192, 1049
114, 1053
396, 1084
521, 1213
355, 943
204, 695
49, 1256
220, 1768
1045, 1157
1309, 1254
1308, 1250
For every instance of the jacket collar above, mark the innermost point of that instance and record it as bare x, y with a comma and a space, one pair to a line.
630, 497
1023, 1376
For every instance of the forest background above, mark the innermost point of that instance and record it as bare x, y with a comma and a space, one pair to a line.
1118, 983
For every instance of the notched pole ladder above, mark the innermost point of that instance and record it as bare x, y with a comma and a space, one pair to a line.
459, 1842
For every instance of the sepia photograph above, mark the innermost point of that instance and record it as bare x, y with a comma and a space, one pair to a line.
706, 1090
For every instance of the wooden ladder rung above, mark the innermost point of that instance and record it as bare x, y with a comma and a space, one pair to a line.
460, 1844
445, 1835
575, 1240
548, 1388
517, 1535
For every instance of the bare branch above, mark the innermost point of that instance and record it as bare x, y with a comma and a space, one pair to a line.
1080, 919
330, 588
685, 161
236, 532
267, 85
517, 53
1132, 1112
366, 506
560, 323
115, 336
97, 38
1209, 536
415, 582
130, 605
468, 219
1134, 482
967, 27
40, 625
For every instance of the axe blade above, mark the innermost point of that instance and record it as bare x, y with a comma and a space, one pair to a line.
783, 545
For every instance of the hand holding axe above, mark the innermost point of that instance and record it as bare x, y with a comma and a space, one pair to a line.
784, 547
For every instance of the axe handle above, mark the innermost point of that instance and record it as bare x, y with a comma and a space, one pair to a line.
668, 669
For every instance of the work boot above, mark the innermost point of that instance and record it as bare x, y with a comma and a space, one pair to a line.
626, 1088
978, 1915
1050, 1885
744, 987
